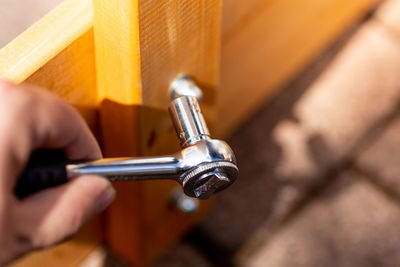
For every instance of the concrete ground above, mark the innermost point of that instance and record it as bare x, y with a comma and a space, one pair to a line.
319, 163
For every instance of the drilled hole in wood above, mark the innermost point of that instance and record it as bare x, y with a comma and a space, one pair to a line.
152, 138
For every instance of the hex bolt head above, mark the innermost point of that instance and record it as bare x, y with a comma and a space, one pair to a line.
209, 183
184, 85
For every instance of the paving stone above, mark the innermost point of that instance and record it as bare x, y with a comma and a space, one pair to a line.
350, 224
358, 89
305, 131
389, 15
382, 158
257, 196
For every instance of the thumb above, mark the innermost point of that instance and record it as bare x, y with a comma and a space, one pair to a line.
53, 215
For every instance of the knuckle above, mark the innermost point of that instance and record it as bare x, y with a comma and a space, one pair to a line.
75, 222
34, 238
45, 237
38, 241
25, 242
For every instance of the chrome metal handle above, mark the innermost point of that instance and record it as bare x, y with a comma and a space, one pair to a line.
203, 167
188, 120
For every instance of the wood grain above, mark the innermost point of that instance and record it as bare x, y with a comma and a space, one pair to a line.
45, 39
57, 53
118, 50
141, 46
176, 36
119, 85
70, 253
72, 76
237, 12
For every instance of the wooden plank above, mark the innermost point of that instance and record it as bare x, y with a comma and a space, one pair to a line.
118, 68
269, 47
72, 76
57, 53
237, 12
176, 37
135, 66
70, 253
40, 43
117, 50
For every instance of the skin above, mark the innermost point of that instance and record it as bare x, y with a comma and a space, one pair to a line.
32, 118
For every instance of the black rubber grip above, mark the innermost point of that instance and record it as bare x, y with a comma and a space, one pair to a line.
45, 169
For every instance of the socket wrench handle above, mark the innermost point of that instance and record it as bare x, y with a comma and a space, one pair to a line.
46, 168
203, 167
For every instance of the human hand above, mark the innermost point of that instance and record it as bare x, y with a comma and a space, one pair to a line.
31, 118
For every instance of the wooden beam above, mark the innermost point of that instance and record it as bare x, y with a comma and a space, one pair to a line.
118, 50
57, 53
119, 84
176, 36
141, 46
45, 39
68, 254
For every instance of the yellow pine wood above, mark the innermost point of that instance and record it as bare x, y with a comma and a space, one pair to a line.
178, 36
45, 39
118, 50
57, 53
70, 253
116, 27
72, 76
141, 46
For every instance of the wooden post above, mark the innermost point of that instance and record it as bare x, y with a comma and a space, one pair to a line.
141, 46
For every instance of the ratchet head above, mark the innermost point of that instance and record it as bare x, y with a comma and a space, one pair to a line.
208, 165
209, 178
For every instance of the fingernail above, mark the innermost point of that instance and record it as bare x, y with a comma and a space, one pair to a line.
105, 199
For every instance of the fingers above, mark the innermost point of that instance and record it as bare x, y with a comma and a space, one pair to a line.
53, 215
64, 128
33, 118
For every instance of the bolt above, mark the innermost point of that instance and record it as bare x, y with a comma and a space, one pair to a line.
184, 85
209, 183
184, 203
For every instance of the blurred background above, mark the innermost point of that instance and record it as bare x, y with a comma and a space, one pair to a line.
319, 158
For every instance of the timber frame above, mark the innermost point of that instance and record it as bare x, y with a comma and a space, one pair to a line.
114, 61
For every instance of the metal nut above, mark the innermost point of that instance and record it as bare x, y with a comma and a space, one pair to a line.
209, 183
